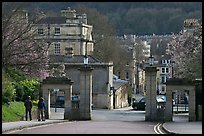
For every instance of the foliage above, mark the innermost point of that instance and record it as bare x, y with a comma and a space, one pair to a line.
19, 47
27, 88
16, 86
8, 89
186, 52
106, 48
134, 17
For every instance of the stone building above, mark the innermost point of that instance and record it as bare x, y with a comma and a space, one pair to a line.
70, 39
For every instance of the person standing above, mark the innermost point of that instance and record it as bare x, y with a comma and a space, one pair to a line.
41, 109
28, 107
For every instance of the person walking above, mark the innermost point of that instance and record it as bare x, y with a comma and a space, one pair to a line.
28, 108
41, 109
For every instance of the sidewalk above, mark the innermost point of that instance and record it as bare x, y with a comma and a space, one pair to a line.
181, 125
56, 117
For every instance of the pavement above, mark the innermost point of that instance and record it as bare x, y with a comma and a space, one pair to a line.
179, 125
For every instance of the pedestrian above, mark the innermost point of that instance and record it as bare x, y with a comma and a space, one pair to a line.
41, 109
28, 108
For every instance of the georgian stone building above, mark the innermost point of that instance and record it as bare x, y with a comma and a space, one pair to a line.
68, 34
70, 39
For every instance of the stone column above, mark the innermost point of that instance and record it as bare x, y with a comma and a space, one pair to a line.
68, 103
151, 92
168, 114
192, 104
46, 96
85, 92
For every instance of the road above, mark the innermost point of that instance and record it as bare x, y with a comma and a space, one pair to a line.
103, 121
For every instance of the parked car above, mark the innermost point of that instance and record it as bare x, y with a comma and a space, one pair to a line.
139, 104
60, 101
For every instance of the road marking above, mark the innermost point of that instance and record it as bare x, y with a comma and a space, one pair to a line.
157, 128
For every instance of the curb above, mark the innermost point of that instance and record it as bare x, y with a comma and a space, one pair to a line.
166, 130
33, 125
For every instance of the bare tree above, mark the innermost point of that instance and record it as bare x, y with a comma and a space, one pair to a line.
20, 49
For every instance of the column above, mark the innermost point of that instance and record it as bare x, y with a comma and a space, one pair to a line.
168, 114
192, 104
85, 92
151, 87
46, 96
67, 98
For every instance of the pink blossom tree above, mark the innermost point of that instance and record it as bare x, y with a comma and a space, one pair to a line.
186, 52
20, 49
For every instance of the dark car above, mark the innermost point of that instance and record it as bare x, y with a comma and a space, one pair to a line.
60, 101
139, 105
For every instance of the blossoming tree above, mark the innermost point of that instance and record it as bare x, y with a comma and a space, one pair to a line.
20, 49
186, 52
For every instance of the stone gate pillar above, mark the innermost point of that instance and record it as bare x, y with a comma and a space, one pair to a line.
151, 92
67, 100
46, 96
85, 92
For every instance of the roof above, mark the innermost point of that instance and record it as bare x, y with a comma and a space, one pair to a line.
117, 83
73, 59
53, 20
179, 81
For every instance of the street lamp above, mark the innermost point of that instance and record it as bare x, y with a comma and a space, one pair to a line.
86, 59
151, 60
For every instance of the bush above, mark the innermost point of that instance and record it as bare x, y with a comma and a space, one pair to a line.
17, 87
8, 89
30, 88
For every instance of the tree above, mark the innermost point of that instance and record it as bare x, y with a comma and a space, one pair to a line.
19, 47
106, 47
186, 52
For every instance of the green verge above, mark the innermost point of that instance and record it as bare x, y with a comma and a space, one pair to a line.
15, 111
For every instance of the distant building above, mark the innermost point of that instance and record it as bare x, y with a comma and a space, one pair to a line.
191, 24
120, 93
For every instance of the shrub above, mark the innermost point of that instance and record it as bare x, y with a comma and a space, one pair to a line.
8, 89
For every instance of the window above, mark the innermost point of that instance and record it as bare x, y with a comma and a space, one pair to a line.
167, 70
57, 48
163, 70
163, 79
57, 30
69, 51
127, 75
163, 88
40, 31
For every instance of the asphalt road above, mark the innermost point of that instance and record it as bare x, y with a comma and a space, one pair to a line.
103, 122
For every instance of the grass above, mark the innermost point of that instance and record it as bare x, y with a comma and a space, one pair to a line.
13, 112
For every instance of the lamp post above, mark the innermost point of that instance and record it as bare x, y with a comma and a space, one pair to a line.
151, 60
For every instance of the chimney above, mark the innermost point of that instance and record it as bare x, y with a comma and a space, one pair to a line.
68, 13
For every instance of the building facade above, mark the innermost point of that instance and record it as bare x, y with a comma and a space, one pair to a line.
70, 40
